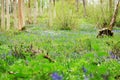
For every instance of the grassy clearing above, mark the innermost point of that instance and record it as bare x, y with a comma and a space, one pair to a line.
78, 55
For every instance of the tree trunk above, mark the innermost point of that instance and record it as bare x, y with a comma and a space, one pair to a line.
54, 8
8, 15
20, 15
35, 11
14, 13
2, 15
84, 5
77, 5
50, 13
23, 12
112, 23
41, 7
29, 12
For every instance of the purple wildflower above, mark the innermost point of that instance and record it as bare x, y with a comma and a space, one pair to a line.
84, 69
86, 77
91, 75
56, 76
112, 55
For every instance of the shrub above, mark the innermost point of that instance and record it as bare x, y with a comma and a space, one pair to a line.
65, 19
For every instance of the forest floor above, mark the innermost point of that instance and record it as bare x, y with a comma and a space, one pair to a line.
39, 54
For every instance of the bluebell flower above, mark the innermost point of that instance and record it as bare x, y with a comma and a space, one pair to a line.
86, 77
112, 55
56, 76
84, 69
91, 75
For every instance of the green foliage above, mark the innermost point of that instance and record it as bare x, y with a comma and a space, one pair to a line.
116, 49
118, 20
99, 15
78, 54
65, 19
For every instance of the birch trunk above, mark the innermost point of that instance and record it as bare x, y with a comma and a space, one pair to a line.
77, 5
14, 14
7, 12
2, 15
54, 8
50, 13
35, 11
29, 12
84, 5
23, 12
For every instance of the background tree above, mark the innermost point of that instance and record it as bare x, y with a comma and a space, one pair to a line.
2, 15
54, 8
84, 5
7, 12
29, 12
77, 5
35, 11
50, 13
20, 15
15, 14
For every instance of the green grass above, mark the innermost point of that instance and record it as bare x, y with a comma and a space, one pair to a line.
71, 50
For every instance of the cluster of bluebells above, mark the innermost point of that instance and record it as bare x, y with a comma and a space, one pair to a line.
112, 55
85, 72
86, 77
84, 69
56, 76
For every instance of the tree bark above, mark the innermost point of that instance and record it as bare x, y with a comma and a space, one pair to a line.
77, 5
84, 5
35, 11
112, 23
14, 13
54, 8
29, 12
8, 15
23, 11
2, 15
50, 13
20, 15
41, 7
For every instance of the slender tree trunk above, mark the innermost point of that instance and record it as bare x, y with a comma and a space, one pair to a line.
29, 12
54, 8
23, 12
84, 5
2, 15
35, 11
112, 23
50, 13
77, 5
14, 13
41, 7
20, 15
8, 15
